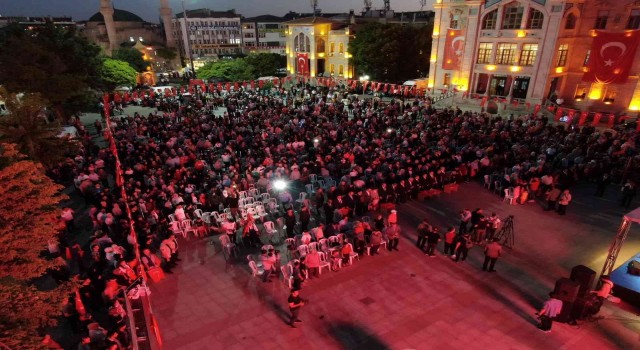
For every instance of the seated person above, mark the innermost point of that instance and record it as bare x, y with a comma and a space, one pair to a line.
347, 249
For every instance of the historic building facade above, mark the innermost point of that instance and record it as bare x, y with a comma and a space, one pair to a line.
495, 48
317, 46
264, 34
596, 66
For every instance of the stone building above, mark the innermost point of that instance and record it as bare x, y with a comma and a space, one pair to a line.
263, 34
495, 48
317, 46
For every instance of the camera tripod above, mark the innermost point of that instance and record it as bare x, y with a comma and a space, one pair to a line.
505, 235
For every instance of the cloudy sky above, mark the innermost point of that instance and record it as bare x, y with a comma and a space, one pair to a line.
147, 9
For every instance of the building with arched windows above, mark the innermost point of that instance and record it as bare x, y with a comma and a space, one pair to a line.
570, 76
495, 48
317, 46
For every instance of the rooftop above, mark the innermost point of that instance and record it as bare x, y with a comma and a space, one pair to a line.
118, 16
208, 13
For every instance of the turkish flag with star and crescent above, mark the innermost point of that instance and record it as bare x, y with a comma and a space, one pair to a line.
453, 49
611, 57
302, 64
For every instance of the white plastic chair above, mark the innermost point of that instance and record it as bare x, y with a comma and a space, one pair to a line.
242, 194
255, 271
333, 240
314, 246
508, 195
321, 184
218, 217
303, 250
340, 238
324, 262
264, 197
227, 246
187, 226
309, 188
302, 198
352, 255
270, 230
250, 258
286, 276
288, 243
243, 213
172, 218
206, 217
176, 228
198, 213
324, 244
260, 211
313, 178
497, 187
253, 192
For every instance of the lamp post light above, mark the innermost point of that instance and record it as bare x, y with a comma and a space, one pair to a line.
364, 79
279, 185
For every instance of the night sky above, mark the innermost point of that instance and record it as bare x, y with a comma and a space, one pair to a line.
148, 9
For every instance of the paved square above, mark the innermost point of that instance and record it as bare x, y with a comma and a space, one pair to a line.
405, 300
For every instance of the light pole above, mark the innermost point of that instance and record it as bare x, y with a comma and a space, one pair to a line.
363, 80
188, 44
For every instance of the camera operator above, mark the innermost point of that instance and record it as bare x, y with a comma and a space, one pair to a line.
295, 303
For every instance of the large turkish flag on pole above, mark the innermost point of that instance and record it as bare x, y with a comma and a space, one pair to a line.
611, 56
301, 63
453, 49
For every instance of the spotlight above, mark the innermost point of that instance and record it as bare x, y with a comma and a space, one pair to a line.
316, 140
389, 130
279, 185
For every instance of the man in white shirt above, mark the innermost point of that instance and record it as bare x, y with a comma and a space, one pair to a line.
229, 228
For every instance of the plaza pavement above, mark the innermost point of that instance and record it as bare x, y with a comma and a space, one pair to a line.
405, 300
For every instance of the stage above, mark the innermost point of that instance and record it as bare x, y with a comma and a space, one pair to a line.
626, 285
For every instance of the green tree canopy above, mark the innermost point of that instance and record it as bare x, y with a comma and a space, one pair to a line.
131, 56
392, 53
166, 53
27, 127
52, 61
28, 220
116, 73
247, 68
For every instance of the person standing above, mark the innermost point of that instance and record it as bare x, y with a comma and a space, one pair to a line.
295, 304
549, 311
492, 252
552, 198
463, 244
423, 230
628, 192
433, 237
376, 240
229, 227
290, 222
563, 202
465, 217
449, 241
603, 182
393, 234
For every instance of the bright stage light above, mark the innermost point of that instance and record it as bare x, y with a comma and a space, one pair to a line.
279, 185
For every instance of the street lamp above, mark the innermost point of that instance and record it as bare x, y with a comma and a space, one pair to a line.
364, 79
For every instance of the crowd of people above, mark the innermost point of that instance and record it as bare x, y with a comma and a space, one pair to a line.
186, 158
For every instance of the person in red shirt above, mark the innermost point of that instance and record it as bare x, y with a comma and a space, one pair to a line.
449, 241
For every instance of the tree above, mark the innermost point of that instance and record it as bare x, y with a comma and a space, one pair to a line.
166, 53
131, 56
392, 53
54, 62
28, 220
116, 73
27, 127
265, 64
226, 70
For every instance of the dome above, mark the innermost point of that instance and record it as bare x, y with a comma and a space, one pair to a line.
118, 16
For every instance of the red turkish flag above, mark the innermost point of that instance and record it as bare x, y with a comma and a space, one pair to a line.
612, 55
596, 119
453, 49
260, 83
570, 116
219, 86
301, 63
117, 97
559, 114
483, 101
167, 92
386, 88
253, 84
182, 90
583, 118
134, 95
236, 86
611, 120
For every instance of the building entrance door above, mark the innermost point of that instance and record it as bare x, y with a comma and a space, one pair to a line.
520, 87
498, 86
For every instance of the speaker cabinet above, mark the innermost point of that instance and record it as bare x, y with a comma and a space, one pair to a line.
585, 277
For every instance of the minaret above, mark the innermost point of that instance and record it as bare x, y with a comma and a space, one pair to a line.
165, 14
106, 9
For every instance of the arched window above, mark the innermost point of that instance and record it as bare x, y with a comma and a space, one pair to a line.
490, 19
512, 16
570, 23
307, 44
296, 43
535, 20
320, 45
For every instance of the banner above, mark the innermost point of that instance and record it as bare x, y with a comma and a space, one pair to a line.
453, 49
596, 119
611, 57
583, 118
302, 65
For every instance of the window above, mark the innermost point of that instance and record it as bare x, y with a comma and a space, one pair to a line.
447, 79
586, 58
581, 93
535, 20
512, 17
332, 47
485, 51
506, 53
634, 19
332, 68
454, 22
490, 20
320, 45
341, 48
601, 20
340, 70
528, 54
563, 51
570, 23
609, 96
